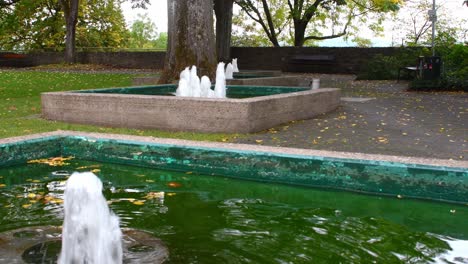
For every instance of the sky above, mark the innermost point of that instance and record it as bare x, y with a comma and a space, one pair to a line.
157, 11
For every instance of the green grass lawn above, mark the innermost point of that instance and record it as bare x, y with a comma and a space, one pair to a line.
20, 103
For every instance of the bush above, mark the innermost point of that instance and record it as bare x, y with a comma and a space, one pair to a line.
382, 67
455, 75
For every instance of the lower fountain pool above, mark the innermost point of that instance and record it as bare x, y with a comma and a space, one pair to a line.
206, 219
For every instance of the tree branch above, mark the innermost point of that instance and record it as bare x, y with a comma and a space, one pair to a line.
342, 33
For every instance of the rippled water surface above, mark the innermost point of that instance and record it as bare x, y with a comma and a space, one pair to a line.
206, 219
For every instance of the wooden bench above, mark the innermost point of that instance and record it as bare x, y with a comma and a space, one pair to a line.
409, 70
11, 59
309, 63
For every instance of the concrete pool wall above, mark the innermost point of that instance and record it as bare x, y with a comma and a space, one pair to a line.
187, 113
402, 177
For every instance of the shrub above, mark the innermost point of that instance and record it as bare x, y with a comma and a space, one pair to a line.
455, 75
380, 68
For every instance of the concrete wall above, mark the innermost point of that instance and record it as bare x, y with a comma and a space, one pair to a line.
347, 60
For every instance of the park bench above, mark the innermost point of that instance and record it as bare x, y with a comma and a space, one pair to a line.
426, 68
11, 59
309, 63
410, 70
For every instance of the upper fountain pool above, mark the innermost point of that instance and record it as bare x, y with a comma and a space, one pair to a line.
247, 108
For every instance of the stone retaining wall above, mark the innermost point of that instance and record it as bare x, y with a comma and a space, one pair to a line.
347, 59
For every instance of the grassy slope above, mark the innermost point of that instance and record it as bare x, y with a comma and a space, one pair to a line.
20, 104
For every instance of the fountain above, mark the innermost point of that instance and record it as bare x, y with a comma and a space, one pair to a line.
238, 108
229, 72
234, 65
91, 232
220, 86
190, 84
236, 217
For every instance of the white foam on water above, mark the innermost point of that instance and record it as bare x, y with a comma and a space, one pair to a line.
91, 232
458, 253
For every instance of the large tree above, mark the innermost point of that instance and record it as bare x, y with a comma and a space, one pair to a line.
191, 39
312, 18
39, 24
70, 10
223, 11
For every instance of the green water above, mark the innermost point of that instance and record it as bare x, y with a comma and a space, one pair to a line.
233, 91
206, 219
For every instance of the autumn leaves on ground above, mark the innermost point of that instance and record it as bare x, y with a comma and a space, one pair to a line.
393, 121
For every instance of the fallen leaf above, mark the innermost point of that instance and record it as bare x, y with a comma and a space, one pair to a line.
382, 140
174, 184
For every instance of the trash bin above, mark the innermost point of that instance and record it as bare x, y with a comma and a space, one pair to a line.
431, 68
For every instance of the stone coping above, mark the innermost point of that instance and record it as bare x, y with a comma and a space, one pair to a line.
246, 147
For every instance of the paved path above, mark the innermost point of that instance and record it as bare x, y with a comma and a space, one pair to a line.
393, 122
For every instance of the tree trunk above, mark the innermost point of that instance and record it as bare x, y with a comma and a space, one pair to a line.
191, 39
223, 11
70, 10
299, 33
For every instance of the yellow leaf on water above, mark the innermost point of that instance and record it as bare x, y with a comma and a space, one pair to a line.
258, 141
31, 195
57, 161
149, 181
95, 170
139, 202
2, 185
57, 201
26, 206
36, 181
